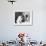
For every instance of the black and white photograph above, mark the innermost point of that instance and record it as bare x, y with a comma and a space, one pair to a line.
23, 18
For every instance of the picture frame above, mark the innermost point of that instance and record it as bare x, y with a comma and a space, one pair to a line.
23, 18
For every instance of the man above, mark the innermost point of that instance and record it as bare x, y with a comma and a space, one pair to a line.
19, 17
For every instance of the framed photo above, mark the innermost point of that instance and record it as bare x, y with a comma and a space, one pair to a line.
23, 18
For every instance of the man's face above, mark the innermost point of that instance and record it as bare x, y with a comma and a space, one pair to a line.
19, 20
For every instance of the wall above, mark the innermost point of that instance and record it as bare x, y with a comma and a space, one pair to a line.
9, 31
